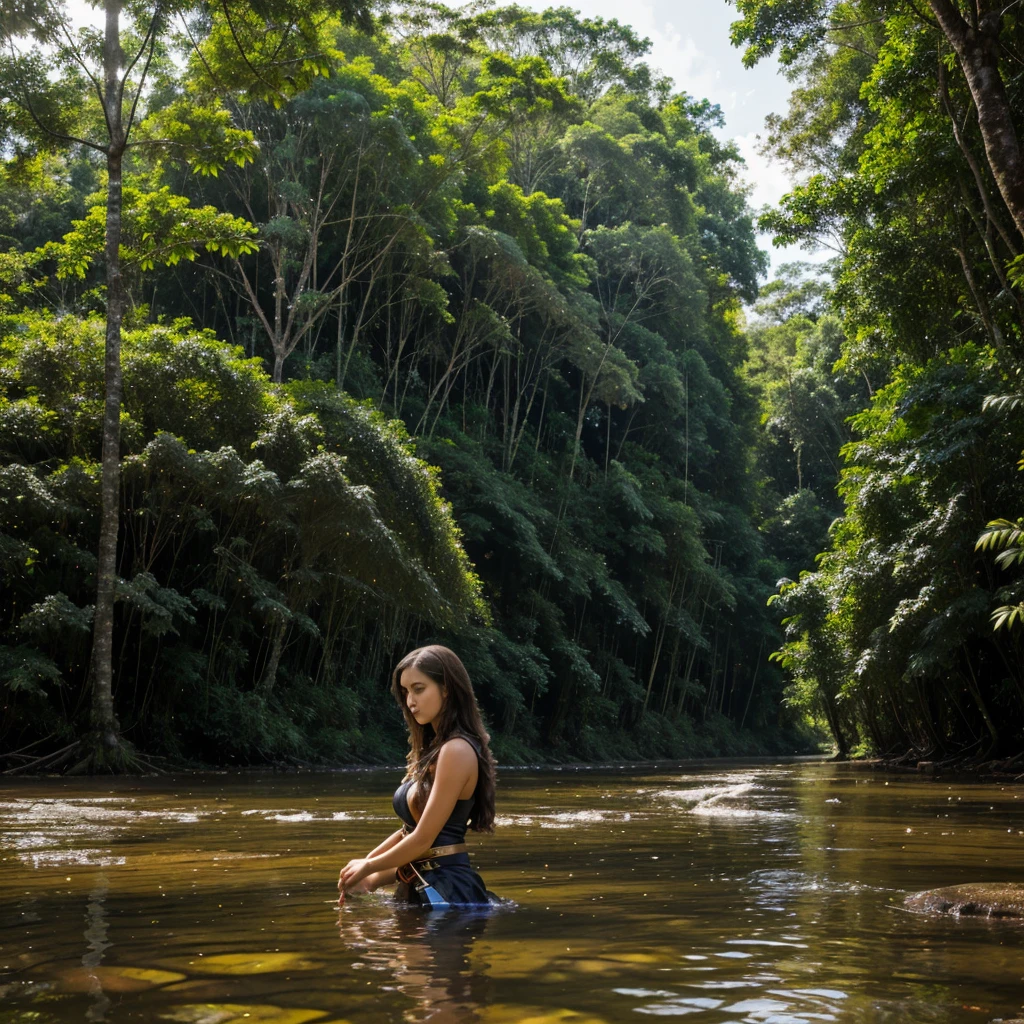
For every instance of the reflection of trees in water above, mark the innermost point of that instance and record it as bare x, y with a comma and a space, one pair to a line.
428, 954
96, 935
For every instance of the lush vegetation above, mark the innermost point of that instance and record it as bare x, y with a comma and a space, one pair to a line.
440, 338
904, 126
320, 339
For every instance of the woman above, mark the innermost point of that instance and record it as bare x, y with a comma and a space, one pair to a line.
448, 786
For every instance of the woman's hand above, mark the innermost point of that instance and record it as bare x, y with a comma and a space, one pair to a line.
368, 884
352, 874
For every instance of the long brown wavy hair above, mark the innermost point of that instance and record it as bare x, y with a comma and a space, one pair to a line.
460, 716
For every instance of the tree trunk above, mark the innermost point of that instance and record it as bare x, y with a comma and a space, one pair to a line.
978, 53
984, 311
753, 685
662, 629
979, 702
266, 684
103, 721
979, 179
835, 727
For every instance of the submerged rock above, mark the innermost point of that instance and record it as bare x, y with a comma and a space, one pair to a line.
985, 899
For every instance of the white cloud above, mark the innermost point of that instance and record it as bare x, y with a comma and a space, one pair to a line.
769, 178
673, 52
770, 181
701, 61
84, 14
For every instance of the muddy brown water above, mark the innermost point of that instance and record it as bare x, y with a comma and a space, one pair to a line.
719, 893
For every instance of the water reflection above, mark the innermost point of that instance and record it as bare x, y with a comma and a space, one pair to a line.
724, 895
96, 937
428, 956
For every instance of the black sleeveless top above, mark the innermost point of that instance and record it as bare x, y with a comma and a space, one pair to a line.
454, 829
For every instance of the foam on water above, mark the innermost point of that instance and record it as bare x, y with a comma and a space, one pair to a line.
57, 811
76, 858
294, 815
45, 831
775, 884
733, 797
562, 819
707, 794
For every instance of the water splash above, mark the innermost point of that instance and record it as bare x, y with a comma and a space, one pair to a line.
563, 819
732, 797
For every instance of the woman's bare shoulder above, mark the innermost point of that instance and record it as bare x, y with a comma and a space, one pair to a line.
458, 750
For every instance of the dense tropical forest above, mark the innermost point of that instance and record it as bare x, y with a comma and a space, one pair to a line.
326, 332
904, 129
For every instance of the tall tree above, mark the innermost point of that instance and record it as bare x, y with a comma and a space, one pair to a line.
974, 31
42, 37
906, 115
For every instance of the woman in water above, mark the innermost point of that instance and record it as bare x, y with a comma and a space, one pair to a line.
448, 786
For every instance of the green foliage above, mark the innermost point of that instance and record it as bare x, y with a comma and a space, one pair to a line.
158, 227
241, 516
791, 27
488, 238
592, 54
895, 615
890, 639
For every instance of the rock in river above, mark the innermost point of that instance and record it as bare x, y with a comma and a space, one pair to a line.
985, 899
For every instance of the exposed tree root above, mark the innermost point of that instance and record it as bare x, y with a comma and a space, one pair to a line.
22, 752
93, 754
45, 763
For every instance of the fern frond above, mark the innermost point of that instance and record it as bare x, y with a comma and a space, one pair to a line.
1002, 404
1008, 616
1000, 534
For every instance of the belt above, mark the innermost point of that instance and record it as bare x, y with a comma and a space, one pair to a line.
411, 871
443, 851
438, 851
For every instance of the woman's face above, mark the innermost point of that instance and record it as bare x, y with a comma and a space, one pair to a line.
423, 697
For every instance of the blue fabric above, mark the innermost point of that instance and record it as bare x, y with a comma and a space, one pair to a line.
449, 884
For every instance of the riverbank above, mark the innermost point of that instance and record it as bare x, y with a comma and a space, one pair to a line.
682, 742
1000, 770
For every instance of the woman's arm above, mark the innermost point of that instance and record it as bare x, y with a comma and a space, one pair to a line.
455, 764
370, 882
387, 844
375, 879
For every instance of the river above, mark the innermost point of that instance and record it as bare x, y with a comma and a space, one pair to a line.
721, 893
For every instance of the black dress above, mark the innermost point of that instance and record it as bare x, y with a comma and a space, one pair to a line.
451, 877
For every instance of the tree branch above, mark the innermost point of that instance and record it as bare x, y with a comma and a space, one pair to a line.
72, 49
151, 36
199, 53
59, 135
241, 51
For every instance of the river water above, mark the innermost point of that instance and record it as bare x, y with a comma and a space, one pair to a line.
719, 893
